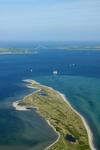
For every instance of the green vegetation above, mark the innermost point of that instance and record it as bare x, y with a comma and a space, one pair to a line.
53, 108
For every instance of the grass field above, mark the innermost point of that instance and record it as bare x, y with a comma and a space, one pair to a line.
52, 107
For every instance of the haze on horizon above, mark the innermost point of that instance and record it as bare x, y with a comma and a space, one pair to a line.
40, 20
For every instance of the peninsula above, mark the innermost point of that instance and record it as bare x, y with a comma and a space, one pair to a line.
50, 104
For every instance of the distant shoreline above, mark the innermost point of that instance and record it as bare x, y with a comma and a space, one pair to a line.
24, 108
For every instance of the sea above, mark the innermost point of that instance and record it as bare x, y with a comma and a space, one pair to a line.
78, 78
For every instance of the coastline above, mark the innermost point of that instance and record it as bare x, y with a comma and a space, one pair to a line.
54, 131
24, 108
89, 132
17, 107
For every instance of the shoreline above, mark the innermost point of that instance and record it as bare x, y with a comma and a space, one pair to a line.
24, 108
89, 132
48, 122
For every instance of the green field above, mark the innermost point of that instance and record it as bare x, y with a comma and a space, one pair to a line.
52, 107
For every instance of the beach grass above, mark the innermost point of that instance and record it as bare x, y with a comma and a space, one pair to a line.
60, 115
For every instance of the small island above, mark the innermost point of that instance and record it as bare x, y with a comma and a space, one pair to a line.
52, 105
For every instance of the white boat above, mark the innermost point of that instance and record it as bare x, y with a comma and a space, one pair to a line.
55, 72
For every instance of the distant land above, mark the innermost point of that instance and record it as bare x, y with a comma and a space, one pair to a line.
18, 51
34, 49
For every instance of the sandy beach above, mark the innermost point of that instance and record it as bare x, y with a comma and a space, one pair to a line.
89, 132
24, 108
18, 107
90, 135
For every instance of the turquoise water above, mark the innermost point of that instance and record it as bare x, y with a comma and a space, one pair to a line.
78, 78
84, 95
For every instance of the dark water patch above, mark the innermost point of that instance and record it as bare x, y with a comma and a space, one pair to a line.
43, 93
70, 138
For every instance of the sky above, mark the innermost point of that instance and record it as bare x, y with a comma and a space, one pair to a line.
49, 20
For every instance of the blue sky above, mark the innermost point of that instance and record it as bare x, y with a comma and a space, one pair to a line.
39, 20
